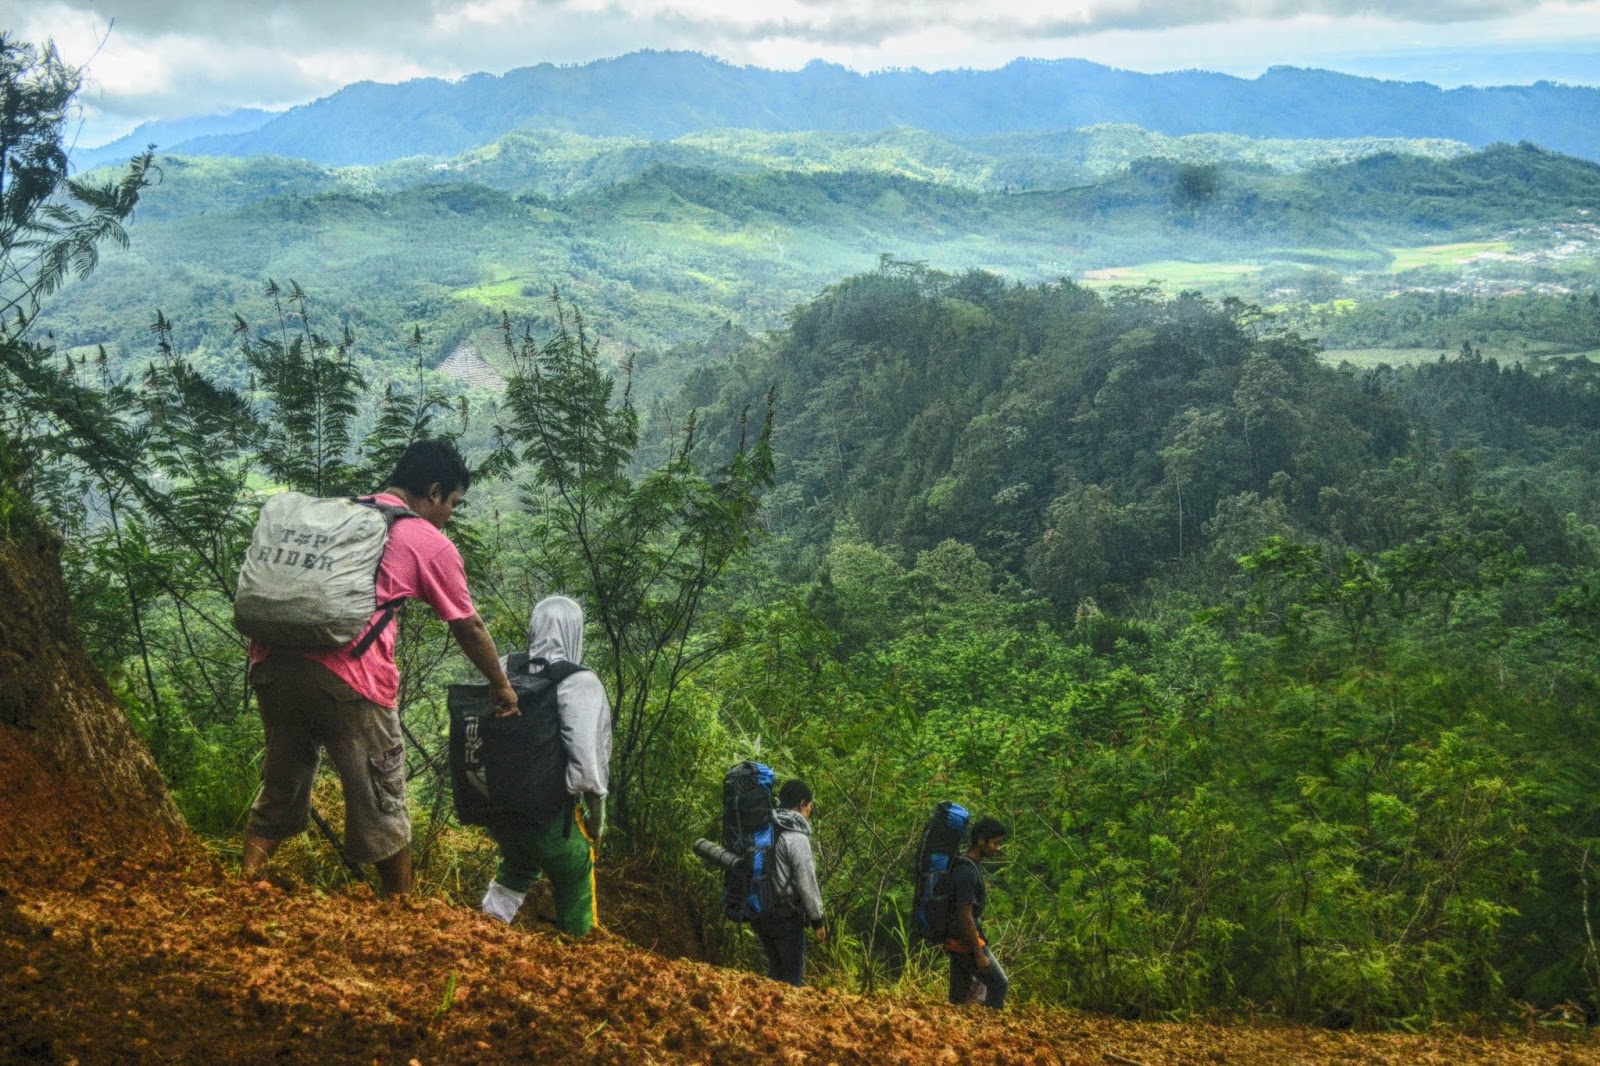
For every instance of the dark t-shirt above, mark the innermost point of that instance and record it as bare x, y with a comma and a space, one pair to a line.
967, 885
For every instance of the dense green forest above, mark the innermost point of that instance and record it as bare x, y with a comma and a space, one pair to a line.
1089, 445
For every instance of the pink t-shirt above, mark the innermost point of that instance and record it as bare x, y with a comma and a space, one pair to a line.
419, 563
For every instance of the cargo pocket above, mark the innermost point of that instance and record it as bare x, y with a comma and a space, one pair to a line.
389, 778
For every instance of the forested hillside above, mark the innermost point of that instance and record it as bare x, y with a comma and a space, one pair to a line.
1284, 673
1089, 445
662, 95
560, 164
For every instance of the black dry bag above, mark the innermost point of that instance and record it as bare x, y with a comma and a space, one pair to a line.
510, 769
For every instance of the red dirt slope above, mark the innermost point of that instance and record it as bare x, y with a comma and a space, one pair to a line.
150, 961
70, 761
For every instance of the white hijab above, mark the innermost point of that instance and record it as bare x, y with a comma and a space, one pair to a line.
555, 630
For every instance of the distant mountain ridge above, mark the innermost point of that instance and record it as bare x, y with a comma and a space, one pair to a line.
557, 164
169, 132
664, 95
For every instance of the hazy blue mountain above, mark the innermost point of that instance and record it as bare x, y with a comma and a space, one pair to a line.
167, 133
664, 95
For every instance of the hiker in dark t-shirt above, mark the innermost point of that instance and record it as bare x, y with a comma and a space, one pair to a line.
971, 960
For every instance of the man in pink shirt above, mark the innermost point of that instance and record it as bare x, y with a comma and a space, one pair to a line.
344, 702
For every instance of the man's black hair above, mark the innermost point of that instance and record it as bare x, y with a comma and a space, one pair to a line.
988, 829
431, 462
793, 793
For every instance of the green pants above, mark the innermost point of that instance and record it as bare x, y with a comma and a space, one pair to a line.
560, 851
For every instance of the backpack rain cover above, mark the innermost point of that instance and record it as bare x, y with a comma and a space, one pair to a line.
309, 577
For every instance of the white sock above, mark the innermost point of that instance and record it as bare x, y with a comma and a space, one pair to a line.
502, 903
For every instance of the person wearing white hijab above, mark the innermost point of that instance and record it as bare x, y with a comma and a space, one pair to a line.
555, 635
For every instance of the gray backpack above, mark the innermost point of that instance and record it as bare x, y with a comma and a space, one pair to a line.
309, 579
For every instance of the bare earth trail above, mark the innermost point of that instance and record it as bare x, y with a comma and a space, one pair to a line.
122, 940
155, 959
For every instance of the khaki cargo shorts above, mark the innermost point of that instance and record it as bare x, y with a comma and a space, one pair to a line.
304, 707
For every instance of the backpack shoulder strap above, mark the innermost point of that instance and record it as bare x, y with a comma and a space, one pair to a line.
560, 670
391, 514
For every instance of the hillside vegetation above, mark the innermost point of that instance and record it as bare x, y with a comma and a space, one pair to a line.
919, 406
559, 164
669, 253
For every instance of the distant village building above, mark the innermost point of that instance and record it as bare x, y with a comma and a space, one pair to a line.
467, 366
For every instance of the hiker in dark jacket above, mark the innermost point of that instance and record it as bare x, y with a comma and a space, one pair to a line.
563, 850
971, 959
794, 886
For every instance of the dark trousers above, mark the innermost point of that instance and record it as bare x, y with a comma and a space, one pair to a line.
784, 941
964, 971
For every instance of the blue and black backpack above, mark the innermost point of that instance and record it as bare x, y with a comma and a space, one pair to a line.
748, 831
936, 858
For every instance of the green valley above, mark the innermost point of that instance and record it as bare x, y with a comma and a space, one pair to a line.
660, 244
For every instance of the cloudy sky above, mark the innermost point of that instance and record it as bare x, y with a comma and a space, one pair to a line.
152, 59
